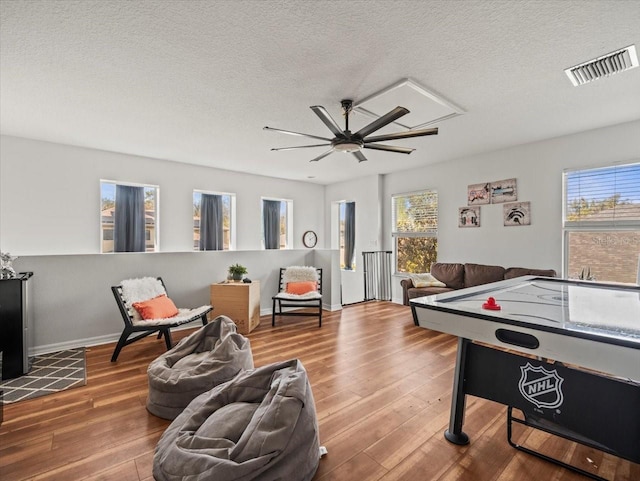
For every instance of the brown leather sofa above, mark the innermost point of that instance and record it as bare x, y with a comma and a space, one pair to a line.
459, 276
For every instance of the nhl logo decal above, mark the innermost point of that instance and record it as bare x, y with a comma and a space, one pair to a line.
541, 387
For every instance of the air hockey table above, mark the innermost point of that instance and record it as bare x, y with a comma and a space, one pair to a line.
565, 353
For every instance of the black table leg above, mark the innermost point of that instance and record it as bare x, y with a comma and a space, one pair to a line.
454, 434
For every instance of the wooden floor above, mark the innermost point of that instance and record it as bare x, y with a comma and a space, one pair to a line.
382, 389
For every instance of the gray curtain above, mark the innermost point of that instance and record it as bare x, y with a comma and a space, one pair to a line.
128, 230
211, 214
271, 223
349, 234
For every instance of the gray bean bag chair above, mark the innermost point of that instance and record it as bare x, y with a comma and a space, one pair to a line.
261, 425
210, 356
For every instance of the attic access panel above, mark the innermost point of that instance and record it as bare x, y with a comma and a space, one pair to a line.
425, 107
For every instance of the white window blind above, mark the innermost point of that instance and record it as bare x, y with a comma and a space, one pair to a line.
608, 196
415, 213
602, 223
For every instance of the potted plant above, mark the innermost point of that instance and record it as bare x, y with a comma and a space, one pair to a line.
237, 271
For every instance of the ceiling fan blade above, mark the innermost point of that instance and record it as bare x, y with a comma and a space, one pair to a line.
328, 120
295, 133
322, 156
377, 124
402, 135
300, 147
388, 148
359, 155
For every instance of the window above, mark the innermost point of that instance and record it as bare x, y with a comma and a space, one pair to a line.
414, 219
128, 217
277, 223
602, 223
219, 207
347, 228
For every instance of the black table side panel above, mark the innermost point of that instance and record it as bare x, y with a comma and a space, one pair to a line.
602, 409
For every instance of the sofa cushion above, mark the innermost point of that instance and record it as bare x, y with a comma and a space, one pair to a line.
512, 272
414, 292
451, 274
425, 280
478, 274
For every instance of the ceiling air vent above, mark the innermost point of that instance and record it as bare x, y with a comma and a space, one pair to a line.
614, 62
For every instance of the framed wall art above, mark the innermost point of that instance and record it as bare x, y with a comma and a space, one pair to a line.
478, 194
517, 213
504, 191
469, 217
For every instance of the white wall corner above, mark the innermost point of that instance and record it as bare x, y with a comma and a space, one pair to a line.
331, 307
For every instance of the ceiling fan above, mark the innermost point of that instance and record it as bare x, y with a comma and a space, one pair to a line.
345, 141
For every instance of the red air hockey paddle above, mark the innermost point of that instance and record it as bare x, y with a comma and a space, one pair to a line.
491, 305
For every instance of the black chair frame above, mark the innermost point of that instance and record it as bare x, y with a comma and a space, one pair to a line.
130, 327
279, 303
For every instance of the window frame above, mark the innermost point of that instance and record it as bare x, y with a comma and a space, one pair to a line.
156, 215
586, 226
232, 217
396, 234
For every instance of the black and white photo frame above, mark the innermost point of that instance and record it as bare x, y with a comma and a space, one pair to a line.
478, 194
504, 191
469, 216
517, 213
496, 192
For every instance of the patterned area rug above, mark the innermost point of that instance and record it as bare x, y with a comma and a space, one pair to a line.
49, 373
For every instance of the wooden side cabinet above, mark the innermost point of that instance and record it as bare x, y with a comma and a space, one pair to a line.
239, 301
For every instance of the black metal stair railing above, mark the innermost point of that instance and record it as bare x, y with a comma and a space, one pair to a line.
377, 275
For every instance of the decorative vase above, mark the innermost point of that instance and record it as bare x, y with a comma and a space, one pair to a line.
237, 277
6, 269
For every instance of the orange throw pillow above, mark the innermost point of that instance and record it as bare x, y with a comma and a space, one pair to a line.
300, 288
157, 308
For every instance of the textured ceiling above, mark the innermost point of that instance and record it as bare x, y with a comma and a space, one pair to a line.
195, 81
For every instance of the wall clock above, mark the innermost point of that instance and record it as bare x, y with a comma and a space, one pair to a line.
309, 239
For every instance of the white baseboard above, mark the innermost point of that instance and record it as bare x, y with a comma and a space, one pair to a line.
63, 346
90, 341
108, 338
332, 307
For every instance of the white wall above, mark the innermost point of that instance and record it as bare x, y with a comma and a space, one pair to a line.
50, 198
538, 169
73, 305
366, 193
329, 261
39, 216
50, 218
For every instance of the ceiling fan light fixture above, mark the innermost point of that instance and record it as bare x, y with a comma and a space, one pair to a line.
345, 141
347, 146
